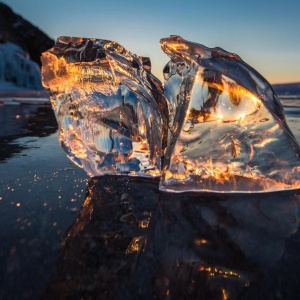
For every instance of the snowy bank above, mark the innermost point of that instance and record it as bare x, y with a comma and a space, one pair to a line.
17, 71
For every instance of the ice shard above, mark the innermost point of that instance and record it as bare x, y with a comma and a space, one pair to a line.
227, 127
111, 110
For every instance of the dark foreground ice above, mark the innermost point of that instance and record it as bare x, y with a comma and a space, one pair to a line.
131, 241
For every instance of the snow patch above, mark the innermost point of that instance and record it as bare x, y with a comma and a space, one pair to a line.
17, 71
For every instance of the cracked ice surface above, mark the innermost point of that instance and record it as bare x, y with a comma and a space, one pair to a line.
227, 127
111, 110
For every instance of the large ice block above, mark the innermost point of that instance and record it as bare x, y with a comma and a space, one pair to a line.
111, 111
227, 127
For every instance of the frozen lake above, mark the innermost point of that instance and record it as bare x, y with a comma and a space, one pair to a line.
129, 237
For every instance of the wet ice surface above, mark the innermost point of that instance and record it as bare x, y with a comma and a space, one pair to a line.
41, 192
157, 245
192, 245
227, 126
111, 111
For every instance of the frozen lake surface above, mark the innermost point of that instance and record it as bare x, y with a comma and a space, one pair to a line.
128, 240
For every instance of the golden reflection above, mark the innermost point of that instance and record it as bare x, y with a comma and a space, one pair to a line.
223, 101
235, 92
214, 271
144, 223
224, 293
137, 244
265, 142
199, 242
63, 77
235, 147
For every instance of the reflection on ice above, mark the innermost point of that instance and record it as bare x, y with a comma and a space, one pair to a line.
111, 110
227, 127
131, 241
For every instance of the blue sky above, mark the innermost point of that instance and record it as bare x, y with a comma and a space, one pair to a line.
266, 34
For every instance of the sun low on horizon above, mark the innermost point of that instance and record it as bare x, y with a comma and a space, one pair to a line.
263, 35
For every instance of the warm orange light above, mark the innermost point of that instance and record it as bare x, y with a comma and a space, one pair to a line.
215, 271
225, 297
199, 242
135, 245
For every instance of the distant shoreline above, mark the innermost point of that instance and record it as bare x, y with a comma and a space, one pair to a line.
290, 101
289, 97
24, 97
24, 94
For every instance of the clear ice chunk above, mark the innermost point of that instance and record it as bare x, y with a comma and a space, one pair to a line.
227, 127
224, 125
111, 111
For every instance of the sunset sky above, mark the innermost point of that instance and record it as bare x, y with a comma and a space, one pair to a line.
264, 33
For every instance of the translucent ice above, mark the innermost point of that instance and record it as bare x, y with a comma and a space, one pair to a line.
111, 110
227, 127
224, 125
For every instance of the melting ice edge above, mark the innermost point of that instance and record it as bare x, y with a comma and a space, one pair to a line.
216, 123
